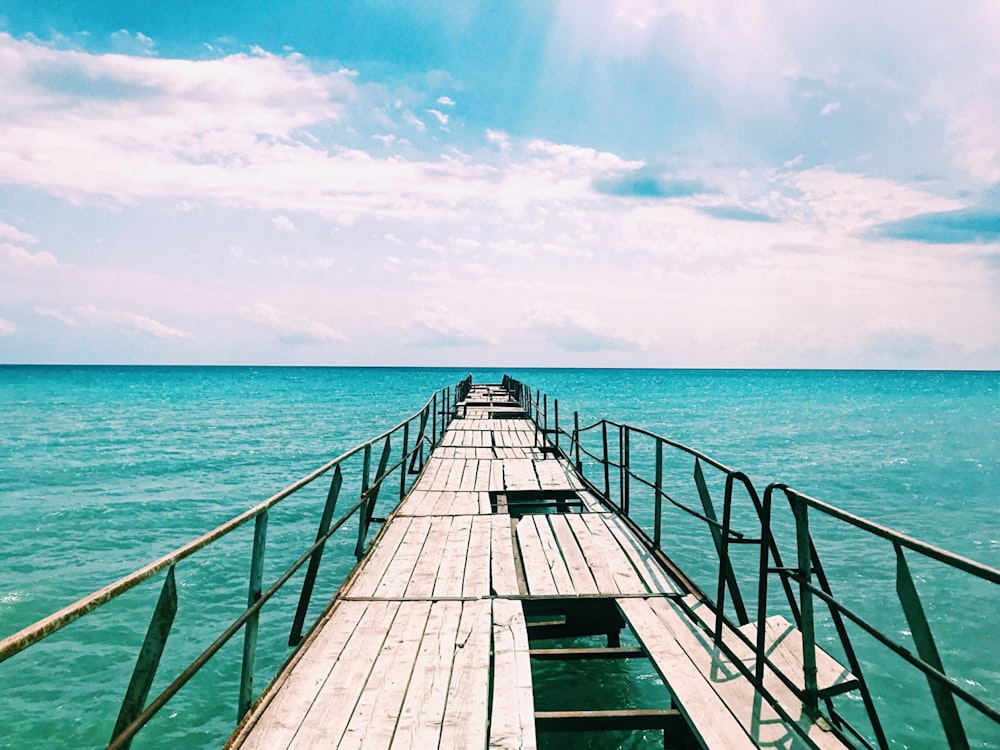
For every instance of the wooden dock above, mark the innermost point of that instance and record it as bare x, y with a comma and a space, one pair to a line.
498, 545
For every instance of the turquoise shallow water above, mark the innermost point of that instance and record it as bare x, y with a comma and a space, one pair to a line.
105, 468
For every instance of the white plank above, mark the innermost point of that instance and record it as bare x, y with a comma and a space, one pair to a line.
655, 577
557, 565
425, 570
397, 575
536, 566
451, 573
377, 562
519, 474
606, 545
466, 714
477, 569
576, 564
512, 720
502, 571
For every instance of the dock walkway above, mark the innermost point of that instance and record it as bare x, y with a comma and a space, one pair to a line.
497, 545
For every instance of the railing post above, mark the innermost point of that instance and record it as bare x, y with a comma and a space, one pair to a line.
920, 629
250, 634
607, 468
803, 545
295, 636
658, 503
725, 569
149, 656
363, 510
556, 407
434, 422
765, 557
576, 436
626, 473
621, 468
404, 459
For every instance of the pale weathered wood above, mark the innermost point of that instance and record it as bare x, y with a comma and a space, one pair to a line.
377, 562
422, 713
756, 716
477, 568
468, 693
555, 475
606, 546
553, 555
451, 573
276, 727
373, 720
512, 720
468, 483
425, 570
599, 568
536, 566
330, 712
576, 564
783, 646
519, 474
397, 575
655, 577
704, 710
503, 573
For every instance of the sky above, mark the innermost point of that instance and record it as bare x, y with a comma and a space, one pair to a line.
578, 183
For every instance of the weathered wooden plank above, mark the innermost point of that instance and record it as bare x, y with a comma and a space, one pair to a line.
483, 470
705, 711
416, 503
554, 475
652, 574
425, 570
496, 476
576, 564
469, 476
330, 712
374, 718
477, 568
466, 709
276, 726
554, 557
757, 717
397, 575
422, 714
599, 567
512, 720
374, 566
453, 480
607, 546
451, 573
430, 471
783, 644
519, 474
503, 575
536, 566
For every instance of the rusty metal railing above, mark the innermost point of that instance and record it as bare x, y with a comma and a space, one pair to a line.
803, 583
413, 435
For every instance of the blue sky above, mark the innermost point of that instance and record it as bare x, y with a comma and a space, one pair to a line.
638, 183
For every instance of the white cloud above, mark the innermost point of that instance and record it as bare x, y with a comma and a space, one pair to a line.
291, 329
129, 321
446, 101
7, 328
830, 108
437, 327
13, 234
20, 257
62, 317
577, 331
441, 116
284, 224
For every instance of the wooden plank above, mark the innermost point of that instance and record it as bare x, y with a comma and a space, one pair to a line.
397, 575
330, 712
477, 568
503, 575
557, 565
512, 720
483, 470
704, 710
519, 474
416, 503
422, 714
469, 476
453, 479
757, 717
655, 577
373, 721
536, 566
431, 468
783, 645
425, 571
466, 709
496, 476
284, 714
554, 475
377, 562
451, 573
599, 567
576, 564
606, 545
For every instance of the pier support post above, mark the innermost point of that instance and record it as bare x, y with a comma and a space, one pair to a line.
250, 634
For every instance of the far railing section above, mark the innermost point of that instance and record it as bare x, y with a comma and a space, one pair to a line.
400, 454
622, 462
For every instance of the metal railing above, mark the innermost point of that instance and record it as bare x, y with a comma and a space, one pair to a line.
804, 582
414, 435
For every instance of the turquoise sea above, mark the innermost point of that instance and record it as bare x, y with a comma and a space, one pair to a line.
105, 468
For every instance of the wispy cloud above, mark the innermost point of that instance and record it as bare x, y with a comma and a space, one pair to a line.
284, 224
7, 328
437, 327
13, 234
576, 331
21, 257
295, 330
127, 320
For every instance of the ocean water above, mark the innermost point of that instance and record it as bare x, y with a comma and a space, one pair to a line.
103, 469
